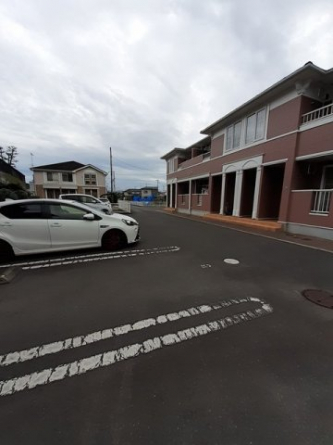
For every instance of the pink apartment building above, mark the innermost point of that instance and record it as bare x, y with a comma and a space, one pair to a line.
270, 159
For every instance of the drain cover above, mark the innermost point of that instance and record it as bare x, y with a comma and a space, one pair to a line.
320, 297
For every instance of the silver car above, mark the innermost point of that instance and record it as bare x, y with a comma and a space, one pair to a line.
90, 201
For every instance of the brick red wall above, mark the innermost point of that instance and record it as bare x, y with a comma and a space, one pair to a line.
315, 140
300, 207
205, 207
217, 146
284, 118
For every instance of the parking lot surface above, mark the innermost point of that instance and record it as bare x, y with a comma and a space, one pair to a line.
198, 334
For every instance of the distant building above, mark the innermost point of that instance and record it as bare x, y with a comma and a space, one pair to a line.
144, 194
270, 158
52, 180
10, 175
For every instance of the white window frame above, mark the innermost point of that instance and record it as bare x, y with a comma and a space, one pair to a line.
232, 143
53, 174
256, 137
66, 173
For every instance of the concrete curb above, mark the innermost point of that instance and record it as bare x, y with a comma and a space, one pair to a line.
315, 244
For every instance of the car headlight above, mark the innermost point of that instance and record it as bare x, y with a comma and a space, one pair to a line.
129, 222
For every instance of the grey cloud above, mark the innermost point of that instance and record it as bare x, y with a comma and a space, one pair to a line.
77, 76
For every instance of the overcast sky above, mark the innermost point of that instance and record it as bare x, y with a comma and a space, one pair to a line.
142, 76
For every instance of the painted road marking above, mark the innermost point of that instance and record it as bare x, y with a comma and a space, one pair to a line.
30, 381
231, 261
206, 266
29, 265
83, 340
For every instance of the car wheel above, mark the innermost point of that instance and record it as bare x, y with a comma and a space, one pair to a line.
113, 240
6, 251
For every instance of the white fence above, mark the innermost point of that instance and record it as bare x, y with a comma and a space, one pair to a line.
321, 201
317, 114
125, 206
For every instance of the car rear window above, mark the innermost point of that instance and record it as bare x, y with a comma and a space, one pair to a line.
23, 211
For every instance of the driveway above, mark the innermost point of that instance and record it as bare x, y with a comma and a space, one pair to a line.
169, 342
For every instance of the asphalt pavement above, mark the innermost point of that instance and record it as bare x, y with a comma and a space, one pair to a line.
168, 343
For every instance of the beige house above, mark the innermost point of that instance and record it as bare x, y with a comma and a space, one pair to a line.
52, 180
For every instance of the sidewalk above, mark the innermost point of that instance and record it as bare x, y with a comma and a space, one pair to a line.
301, 240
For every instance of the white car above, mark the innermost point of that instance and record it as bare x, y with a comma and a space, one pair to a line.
90, 201
30, 226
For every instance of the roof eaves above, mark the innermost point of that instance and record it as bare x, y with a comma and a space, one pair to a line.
307, 66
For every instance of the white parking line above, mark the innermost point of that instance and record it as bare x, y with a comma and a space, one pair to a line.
30, 381
28, 265
83, 340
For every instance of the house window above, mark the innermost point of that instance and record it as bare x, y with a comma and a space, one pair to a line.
255, 126
67, 177
234, 136
89, 179
50, 176
171, 165
92, 192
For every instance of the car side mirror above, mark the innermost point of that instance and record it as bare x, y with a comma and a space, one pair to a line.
89, 217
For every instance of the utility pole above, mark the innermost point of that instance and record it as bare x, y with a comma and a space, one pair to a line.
111, 172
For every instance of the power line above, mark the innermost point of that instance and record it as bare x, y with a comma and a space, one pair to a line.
133, 166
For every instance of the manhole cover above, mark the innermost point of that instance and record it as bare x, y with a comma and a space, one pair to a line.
320, 297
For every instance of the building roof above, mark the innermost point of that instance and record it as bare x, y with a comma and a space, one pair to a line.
69, 166
6, 168
172, 153
61, 166
148, 188
306, 72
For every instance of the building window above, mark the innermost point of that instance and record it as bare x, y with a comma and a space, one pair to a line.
255, 126
92, 192
50, 176
90, 179
171, 165
67, 177
234, 136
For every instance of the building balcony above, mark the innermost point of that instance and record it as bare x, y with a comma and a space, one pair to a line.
319, 113
312, 207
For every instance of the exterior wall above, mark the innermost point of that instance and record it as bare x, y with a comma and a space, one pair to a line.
205, 207
300, 209
217, 146
182, 202
315, 140
40, 191
100, 178
284, 119
38, 178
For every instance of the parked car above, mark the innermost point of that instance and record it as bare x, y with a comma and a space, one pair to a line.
48, 225
91, 201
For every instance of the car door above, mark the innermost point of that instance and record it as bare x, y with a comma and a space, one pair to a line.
25, 227
68, 228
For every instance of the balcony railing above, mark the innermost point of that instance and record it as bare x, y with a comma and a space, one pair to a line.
321, 201
319, 113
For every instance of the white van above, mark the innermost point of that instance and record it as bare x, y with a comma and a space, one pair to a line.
90, 201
